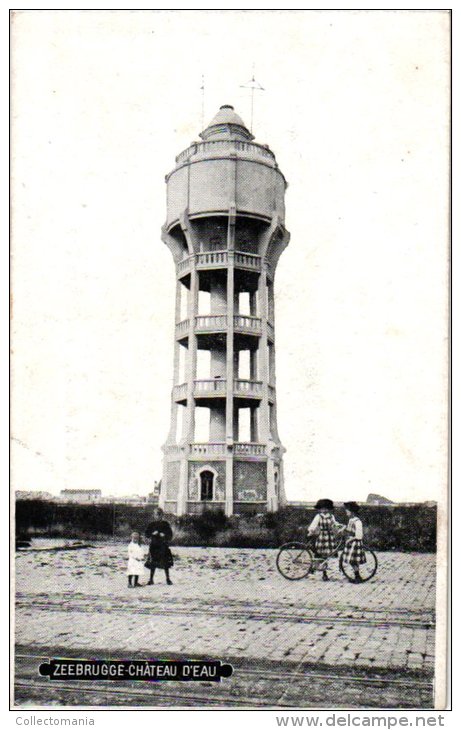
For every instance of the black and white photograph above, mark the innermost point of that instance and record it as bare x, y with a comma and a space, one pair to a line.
229, 321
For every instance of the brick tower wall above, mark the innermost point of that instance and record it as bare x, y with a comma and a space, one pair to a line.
250, 480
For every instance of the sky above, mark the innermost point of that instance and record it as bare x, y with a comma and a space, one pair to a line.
356, 109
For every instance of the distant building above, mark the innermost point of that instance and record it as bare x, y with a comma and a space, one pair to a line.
377, 499
81, 496
131, 499
25, 494
124, 499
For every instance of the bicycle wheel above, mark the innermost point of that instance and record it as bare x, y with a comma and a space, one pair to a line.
365, 570
294, 560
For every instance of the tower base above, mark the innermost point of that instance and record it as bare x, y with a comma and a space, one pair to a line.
237, 479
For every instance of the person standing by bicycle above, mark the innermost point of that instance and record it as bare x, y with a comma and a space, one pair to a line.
354, 554
324, 527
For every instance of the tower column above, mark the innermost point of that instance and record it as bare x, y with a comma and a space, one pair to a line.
189, 420
174, 406
254, 425
192, 310
266, 419
230, 362
265, 432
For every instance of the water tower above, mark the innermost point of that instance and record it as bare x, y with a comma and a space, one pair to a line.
225, 229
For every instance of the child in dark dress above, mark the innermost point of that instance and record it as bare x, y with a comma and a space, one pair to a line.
159, 533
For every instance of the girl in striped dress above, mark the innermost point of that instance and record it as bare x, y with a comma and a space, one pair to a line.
324, 526
354, 553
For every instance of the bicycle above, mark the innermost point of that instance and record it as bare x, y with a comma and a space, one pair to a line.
296, 560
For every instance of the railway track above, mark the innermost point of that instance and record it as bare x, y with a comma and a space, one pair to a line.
371, 618
254, 684
251, 685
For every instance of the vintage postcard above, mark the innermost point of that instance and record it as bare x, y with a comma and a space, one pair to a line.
230, 304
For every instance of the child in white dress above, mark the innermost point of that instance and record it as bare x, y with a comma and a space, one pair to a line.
136, 559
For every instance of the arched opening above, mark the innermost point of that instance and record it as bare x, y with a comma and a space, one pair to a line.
206, 486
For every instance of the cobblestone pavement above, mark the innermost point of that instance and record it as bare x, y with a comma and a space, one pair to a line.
230, 603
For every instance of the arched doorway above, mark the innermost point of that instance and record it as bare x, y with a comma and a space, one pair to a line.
206, 485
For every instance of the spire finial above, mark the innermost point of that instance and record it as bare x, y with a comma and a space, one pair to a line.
202, 89
254, 86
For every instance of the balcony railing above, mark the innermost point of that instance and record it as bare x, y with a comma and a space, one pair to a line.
180, 392
211, 259
218, 323
182, 328
210, 387
172, 450
247, 323
211, 323
208, 449
248, 449
219, 448
218, 260
247, 261
216, 387
251, 388
225, 147
183, 266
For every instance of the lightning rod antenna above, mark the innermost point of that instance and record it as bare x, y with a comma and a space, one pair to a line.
254, 86
202, 88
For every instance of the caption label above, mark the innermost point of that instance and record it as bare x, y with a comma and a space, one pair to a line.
143, 670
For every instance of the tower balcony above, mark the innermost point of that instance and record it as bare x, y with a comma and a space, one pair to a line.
248, 388
218, 148
247, 324
219, 260
249, 261
210, 323
208, 449
211, 388
206, 324
216, 449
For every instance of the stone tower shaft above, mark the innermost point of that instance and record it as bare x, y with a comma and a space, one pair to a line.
225, 230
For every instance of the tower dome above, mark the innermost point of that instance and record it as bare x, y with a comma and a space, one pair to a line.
226, 124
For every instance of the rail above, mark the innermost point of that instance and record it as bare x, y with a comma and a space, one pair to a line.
248, 387
211, 322
216, 448
223, 146
219, 259
210, 386
246, 322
